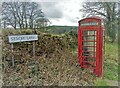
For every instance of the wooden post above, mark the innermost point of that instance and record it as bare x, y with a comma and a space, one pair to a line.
33, 48
33, 42
12, 57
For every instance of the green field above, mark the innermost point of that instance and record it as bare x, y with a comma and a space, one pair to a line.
110, 66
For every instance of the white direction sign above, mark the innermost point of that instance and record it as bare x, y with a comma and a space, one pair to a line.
22, 38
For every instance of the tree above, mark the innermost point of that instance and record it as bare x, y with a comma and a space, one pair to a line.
119, 22
21, 14
8, 15
41, 22
108, 11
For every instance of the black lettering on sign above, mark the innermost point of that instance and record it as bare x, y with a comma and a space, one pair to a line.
22, 38
89, 24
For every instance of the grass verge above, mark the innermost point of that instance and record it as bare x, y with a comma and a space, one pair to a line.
110, 65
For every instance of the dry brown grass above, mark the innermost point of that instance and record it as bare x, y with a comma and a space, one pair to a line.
54, 63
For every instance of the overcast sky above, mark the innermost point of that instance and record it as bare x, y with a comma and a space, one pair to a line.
63, 13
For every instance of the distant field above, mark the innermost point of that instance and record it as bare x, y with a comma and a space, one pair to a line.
61, 29
54, 29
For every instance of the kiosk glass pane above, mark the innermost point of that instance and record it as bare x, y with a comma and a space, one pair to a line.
89, 44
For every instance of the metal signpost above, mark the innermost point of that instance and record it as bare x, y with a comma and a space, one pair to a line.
22, 38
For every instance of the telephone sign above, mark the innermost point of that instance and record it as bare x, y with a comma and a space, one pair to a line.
89, 24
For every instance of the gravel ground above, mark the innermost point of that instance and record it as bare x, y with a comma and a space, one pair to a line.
112, 82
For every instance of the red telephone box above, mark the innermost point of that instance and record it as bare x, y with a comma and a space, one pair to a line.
91, 44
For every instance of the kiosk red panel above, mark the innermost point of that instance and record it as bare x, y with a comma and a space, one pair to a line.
91, 44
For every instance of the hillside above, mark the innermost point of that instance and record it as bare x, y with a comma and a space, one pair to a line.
61, 29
